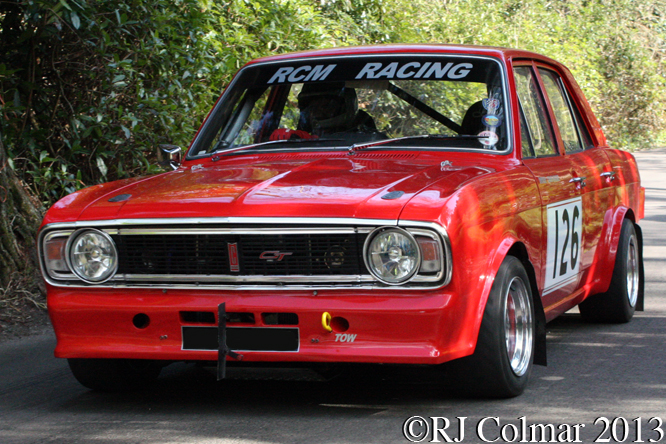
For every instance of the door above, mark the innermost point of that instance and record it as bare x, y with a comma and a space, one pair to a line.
561, 188
590, 164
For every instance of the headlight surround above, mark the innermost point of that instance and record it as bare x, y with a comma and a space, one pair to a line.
392, 255
92, 255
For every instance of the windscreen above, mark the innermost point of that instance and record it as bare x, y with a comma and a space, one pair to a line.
414, 102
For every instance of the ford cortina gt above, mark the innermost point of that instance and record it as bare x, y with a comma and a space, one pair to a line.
403, 204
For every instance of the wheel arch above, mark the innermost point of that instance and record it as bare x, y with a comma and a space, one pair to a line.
621, 214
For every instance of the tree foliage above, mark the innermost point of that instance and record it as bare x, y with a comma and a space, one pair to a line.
616, 50
89, 88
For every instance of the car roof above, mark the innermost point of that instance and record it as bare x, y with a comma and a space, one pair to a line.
492, 51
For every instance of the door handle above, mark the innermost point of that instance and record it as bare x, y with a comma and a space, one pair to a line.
610, 175
580, 181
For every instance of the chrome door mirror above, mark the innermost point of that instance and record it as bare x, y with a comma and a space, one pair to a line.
174, 155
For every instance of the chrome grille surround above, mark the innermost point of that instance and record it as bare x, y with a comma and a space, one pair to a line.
239, 228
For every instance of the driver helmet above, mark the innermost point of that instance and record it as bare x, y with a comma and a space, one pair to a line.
328, 105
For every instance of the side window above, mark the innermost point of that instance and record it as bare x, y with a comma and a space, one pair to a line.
560, 103
541, 140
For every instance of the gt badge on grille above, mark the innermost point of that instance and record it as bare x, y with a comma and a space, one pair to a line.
273, 256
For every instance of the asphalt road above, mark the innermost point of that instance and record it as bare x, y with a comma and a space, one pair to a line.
595, 371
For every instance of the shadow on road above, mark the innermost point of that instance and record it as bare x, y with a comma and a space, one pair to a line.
608, 355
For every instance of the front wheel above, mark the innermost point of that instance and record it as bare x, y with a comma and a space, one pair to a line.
502, 361
115, 375
618, 304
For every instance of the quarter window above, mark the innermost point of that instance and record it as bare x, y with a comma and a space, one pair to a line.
582, 130
525, 139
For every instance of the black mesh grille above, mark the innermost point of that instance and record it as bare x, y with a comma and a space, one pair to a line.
180, 254
258, 255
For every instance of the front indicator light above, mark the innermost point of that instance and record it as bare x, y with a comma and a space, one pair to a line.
431, 262
92, 256
392, 255
54, 255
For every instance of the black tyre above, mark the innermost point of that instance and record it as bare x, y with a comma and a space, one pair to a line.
502, 361
115, 375
618, 304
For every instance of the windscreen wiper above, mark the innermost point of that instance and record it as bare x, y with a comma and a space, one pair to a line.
361, 146
217, 155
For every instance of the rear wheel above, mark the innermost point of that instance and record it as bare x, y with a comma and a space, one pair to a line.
618, 304
502, 362
115, 375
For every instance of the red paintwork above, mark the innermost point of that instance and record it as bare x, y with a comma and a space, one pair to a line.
488, 204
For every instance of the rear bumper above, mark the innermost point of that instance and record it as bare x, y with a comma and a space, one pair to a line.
414, 327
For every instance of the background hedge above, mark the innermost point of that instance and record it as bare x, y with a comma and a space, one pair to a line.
89, 88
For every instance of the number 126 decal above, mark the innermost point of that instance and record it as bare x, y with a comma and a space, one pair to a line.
565, 234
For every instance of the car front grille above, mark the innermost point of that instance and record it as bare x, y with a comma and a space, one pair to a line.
320, 254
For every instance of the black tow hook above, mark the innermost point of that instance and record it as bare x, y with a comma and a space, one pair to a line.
222, 348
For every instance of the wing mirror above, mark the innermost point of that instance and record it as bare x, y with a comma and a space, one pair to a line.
174, 155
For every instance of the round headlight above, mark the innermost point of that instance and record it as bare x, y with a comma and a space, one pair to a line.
392, 255
92, 255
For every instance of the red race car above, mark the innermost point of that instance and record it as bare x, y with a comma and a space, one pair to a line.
407, 204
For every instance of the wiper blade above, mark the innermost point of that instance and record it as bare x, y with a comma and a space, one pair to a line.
361, 146
217, 154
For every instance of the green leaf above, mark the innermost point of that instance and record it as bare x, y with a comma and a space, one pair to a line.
102, 166
76, 22
44, 157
